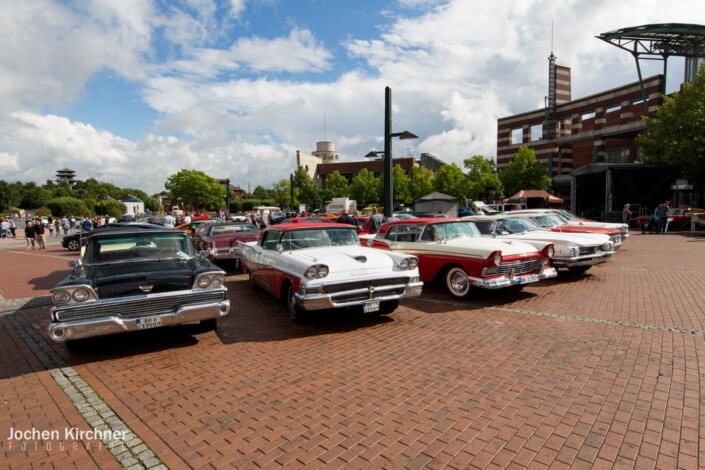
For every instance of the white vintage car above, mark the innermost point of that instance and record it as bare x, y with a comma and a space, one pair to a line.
322, 266
575, 251
454, 251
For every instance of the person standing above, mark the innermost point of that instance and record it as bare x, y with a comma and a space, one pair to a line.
13, 227
375, 221
39, 231
29, 234
346, 218
662, 213
57, 226
169, 221
626, 214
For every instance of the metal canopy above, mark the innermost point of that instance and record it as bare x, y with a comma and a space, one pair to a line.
658, 42
663, 40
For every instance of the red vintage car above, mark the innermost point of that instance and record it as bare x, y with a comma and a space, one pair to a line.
217, 240
454, 251
678, 219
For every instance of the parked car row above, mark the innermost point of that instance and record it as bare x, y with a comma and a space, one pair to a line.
137, 276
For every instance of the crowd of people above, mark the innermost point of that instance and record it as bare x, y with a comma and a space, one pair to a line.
38, 229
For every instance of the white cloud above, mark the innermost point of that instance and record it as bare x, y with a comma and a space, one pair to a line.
235, 106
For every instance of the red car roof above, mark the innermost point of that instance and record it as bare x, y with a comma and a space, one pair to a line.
306, 225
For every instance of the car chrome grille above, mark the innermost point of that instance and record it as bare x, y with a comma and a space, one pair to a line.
143, 307
348, 286
589, 250
520, 267
366, 295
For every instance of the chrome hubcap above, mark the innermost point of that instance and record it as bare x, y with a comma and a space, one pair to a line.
458, 282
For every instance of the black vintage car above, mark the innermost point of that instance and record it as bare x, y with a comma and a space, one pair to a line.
74, 241
128, 280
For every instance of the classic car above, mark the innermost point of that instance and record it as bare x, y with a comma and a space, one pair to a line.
575, 251
128, 280
454, 250
74, 241
217, 240
678, 219
322, 266
191, 227
571, 219
555, 223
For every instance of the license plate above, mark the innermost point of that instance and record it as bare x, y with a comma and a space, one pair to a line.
148, 322
528, 278
370, 307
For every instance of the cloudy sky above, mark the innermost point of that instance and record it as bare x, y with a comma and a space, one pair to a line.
132, 91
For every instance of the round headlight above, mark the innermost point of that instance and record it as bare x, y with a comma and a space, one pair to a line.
80, 295
61, 297
204, 281
404, 264
413, 263
550, 252
322, 270
497, 259
218, 280
574, 251
311, 272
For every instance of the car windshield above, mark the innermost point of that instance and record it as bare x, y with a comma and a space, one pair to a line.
131, 247
515, 225
567, 216
450, 230
318, 237
548, 220
223, 229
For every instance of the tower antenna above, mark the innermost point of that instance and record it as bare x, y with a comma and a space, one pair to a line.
325, 130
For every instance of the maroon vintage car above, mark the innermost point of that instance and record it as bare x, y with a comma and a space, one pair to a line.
678, 218
218, 239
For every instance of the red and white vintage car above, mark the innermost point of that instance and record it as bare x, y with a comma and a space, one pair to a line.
556, 223
322, 266
455, 251
570, 219
217, 240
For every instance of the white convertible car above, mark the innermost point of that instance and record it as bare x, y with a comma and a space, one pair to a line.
321, 266
575, 251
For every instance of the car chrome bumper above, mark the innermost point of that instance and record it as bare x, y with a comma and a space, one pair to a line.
79, 329
507, 281
581, 260
321, 301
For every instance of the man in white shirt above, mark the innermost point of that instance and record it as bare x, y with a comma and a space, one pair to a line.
169, 221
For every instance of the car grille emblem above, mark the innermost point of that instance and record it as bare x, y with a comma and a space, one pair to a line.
147, 288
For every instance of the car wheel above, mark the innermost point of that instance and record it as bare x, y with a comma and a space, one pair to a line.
73, 245
209, 325
388, 306
457, 281
296, 313
579, 269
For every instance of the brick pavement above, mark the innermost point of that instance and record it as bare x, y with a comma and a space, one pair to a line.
603, 370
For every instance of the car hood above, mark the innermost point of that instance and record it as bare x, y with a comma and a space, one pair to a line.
123, 279
579, 239
482, 247
346, 261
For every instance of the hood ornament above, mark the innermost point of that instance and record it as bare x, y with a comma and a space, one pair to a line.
147, 288
361, 259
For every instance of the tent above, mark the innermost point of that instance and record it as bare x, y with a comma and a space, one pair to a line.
437, 204
535, 198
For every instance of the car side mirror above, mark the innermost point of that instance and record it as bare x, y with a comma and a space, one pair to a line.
75, 263
279, 248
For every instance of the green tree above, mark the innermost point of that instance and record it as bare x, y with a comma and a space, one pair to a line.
282, 193
484, 183
195, 189
62, 189
451, 180
336, 186
365, 188
402, 186
308, 191
675, 135
421, 182
34, 196
261, 193
524, 172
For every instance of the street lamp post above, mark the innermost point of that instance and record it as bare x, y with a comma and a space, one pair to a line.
388, 134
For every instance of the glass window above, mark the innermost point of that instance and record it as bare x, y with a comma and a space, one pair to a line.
270, 240
618, 155
517, 136
536, 132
